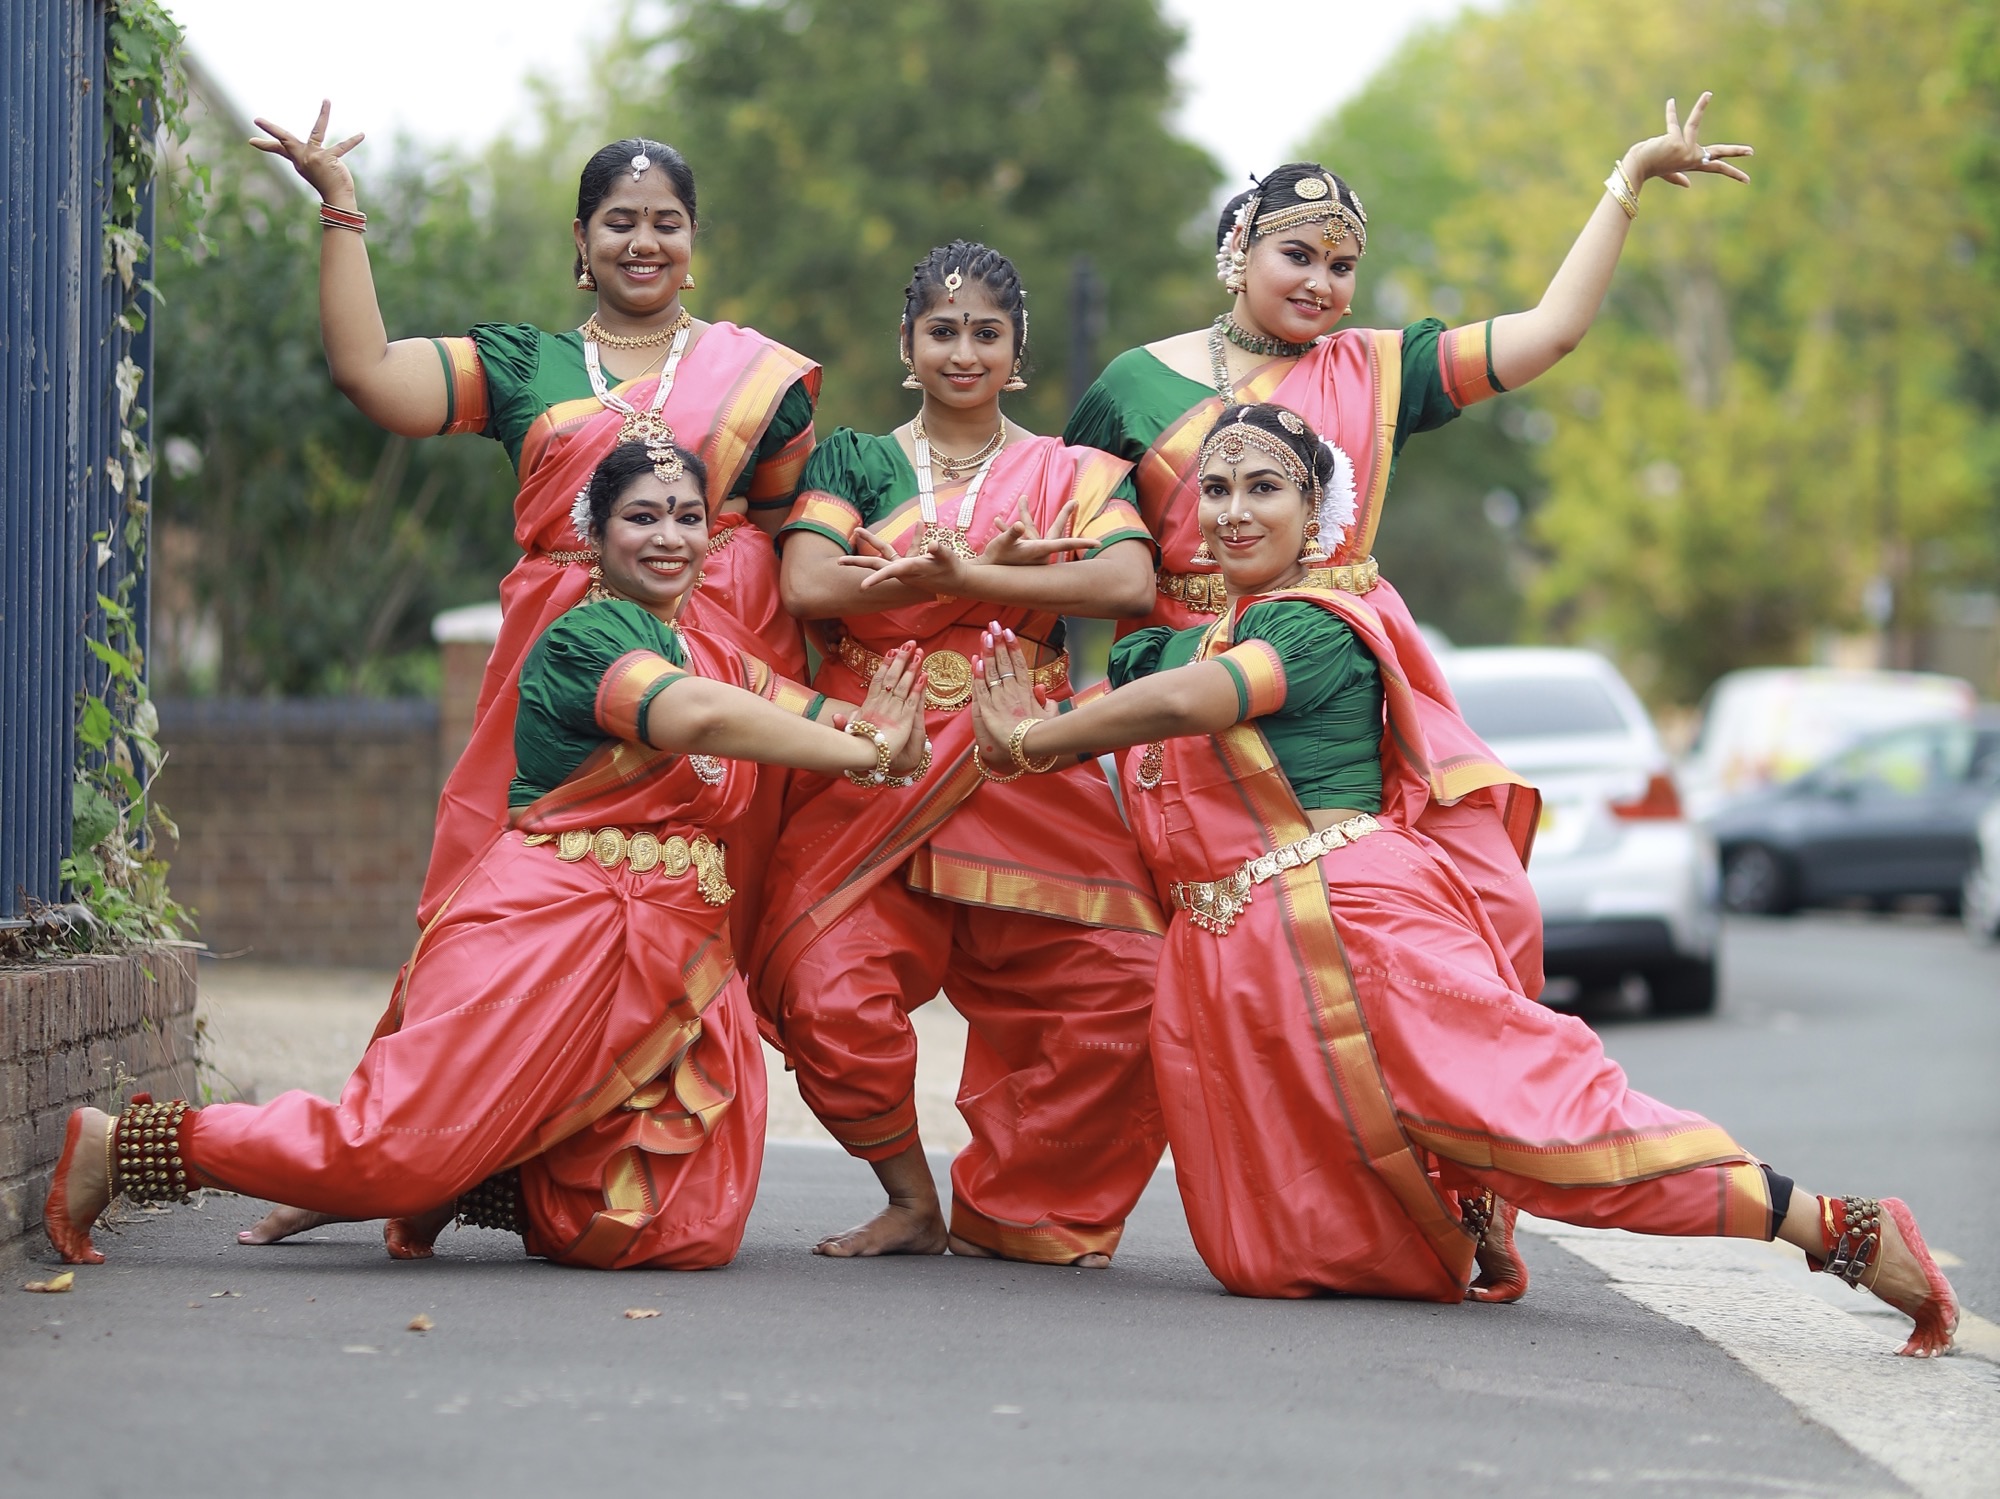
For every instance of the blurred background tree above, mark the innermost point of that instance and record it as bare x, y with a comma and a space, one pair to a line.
1786, 425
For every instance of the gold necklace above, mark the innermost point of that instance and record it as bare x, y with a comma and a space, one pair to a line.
955, 467
595, 332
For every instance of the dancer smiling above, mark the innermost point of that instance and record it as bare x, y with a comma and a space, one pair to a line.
1350, 1076
571, 1038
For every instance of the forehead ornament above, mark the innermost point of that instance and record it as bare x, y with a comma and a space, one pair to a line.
640, 164
1317, 201
952, 282
1233, 444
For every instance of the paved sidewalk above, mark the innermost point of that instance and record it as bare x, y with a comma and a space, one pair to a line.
267, 1027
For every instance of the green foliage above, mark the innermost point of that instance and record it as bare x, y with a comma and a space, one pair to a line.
114, 866
1778, 409
837, 141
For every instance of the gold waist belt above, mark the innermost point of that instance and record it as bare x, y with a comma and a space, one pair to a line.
948, 675
1204, 594
644, 851
1214, 905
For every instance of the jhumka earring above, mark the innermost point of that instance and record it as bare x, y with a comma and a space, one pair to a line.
689, 282
1014, 381
1203, 557
1238, 278
1312, 551
910, 381
586, 281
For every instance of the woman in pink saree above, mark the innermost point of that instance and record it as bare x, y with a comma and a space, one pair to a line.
1355, 1088
570, 1053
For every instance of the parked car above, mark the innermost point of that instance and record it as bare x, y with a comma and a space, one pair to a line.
1894, 816
1626, 882
1768, 725
1979, 899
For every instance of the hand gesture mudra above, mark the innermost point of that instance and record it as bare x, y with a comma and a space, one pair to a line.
1019, 544
1003, 693
1673, 155
312, 158
895, 705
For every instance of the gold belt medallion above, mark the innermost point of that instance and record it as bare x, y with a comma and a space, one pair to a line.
645, 851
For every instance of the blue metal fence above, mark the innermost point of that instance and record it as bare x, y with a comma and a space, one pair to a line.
58, 420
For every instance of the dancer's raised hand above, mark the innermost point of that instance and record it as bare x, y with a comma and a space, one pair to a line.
319, 163
1671, 156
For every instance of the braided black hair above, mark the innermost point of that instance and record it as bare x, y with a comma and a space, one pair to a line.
1277, 187
594, 185
1266, 417
976, 263
617, 471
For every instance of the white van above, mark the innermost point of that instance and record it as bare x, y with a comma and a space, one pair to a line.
1766, 725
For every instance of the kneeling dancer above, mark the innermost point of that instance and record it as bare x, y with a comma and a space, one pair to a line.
571, 1036
1350, 1076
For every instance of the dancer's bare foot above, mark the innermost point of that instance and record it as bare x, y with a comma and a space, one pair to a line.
1503, 1274
1902, 1271
912, 1223
900, 1228
282, 1223
979, 1252
81, 1190
413, 1238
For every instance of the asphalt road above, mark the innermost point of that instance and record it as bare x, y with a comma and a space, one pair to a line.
1856, 1054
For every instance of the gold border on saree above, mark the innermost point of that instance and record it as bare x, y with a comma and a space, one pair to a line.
644, 851
1214, 905
947, 674
1204, 593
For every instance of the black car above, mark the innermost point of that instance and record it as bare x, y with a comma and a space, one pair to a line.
1894, 815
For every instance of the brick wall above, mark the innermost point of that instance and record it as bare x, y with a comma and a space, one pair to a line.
65, 1031
305, 824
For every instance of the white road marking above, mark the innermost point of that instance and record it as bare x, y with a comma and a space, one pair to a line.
1934, 1423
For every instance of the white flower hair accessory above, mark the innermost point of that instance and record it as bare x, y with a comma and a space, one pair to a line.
1336, 505
579, 514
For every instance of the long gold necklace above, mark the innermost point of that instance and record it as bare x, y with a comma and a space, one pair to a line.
955, 537
957, 467
595, 332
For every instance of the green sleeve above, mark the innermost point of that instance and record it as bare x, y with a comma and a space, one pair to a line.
1099, 422
511, 355
1321, 656
1138, 654
568, 664
830, 500
794, 415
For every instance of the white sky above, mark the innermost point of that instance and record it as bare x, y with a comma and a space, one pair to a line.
449, 73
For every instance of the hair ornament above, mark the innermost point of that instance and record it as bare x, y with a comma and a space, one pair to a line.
579, 514
1311, 188
1317, 202
952, 282
1232, 444
667, 465
1291, 422
1232, 258
1336, 506
640, 164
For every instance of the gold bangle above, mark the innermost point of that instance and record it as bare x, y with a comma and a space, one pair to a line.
861, 728
979, 764
1621, 189
923, 769
1017, 746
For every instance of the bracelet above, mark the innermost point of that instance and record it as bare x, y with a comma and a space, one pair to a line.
1620, 187
331, 217
1017, 746
861, 728
979, 764
902, 783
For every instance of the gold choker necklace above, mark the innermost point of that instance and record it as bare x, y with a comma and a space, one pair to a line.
595, 332
956, 467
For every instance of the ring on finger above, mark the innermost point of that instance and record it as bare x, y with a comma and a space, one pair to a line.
1706, 156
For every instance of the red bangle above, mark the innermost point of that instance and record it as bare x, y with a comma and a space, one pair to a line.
331, 217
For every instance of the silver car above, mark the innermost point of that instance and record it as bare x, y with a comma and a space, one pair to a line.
1626, 882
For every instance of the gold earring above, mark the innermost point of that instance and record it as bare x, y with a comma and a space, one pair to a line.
1311, 551
585, 281
1203, 557
1238, 279
689, 282
1014, 381
910, 381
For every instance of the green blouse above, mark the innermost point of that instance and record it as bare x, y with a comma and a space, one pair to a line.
528, 371
557, 727
874, 477
1137, 397
1323, 713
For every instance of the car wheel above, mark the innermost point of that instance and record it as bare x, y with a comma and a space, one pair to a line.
1756, 882
1685, 988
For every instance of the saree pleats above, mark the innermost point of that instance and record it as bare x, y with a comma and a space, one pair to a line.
1356, 1053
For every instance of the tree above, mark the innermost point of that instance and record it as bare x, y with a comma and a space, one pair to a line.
1771, 424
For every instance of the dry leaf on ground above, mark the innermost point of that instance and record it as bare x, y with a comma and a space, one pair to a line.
61, 1282
421, 1323
640, 1313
